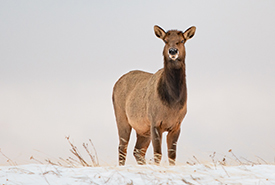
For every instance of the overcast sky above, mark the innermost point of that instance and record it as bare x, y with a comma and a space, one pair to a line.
60, 59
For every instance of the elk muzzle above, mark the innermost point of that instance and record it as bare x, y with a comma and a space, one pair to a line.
173, 53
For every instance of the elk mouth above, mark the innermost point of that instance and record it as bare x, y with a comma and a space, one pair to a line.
173, 56
175, 61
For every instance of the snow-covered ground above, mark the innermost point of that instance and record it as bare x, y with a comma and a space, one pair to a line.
37, 174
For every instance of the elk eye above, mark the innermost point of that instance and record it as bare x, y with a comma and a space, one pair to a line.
182, 41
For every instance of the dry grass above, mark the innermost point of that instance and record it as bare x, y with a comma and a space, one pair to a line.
219, 169
91, 151
78, 160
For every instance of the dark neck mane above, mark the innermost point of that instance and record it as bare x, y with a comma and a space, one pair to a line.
172, 87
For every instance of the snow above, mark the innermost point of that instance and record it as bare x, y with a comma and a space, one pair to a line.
38, 174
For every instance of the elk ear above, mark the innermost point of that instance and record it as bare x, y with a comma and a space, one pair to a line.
189, 33
160, 33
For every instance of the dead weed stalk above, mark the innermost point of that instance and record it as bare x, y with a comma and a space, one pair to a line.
91, 152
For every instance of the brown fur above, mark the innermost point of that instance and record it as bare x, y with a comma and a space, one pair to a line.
153, 103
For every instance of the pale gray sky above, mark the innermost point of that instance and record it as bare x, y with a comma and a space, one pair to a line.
60, 59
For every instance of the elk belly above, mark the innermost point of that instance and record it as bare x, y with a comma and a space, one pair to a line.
136, 110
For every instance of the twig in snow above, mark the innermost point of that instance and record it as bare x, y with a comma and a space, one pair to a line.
237, 159
75, 151
225, 171
253, 163
93, 158
223, 162
50, 162
186, 182
262, 159
212, 157
68, 162
196, 159
94, 151
195, 179
32, 158
8, 159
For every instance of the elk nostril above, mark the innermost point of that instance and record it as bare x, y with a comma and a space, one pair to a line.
173, 51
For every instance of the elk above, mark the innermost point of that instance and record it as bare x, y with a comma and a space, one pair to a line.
153, 103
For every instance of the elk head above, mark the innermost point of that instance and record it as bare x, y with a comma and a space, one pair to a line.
174, 50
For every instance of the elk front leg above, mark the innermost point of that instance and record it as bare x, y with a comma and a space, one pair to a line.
172, 138
156, 141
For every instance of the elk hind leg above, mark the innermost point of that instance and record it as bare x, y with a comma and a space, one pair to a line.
142, 144
124, 132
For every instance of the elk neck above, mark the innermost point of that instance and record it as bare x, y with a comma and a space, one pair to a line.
172, 86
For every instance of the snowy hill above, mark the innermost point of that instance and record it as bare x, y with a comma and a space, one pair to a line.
36, 174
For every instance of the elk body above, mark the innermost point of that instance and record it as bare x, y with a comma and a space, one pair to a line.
153, 103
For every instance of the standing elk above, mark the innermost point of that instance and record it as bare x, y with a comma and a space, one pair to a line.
154, 103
